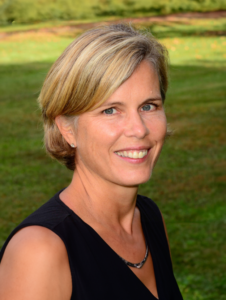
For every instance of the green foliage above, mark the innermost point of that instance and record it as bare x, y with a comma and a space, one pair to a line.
27, 11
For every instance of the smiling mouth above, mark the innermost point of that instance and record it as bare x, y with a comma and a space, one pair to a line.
133, 154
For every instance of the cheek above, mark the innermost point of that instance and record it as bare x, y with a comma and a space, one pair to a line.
163, 125
95, 137
158, 127
108, 133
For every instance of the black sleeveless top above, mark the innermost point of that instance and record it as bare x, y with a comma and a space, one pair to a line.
97, 271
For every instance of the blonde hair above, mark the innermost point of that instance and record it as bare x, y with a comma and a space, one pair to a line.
90, 69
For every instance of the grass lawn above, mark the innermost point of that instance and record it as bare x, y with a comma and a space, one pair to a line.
189, 181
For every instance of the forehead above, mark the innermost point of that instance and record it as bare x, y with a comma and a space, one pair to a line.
142, 84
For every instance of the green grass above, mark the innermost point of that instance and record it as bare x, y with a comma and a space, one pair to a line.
189, 181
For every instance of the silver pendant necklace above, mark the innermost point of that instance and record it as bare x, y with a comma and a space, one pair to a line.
138, 265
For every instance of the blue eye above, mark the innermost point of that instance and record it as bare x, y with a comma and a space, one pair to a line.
147, 107
110, 111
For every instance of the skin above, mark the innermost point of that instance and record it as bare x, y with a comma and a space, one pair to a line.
105, 186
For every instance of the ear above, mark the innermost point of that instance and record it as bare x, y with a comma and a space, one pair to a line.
66, 129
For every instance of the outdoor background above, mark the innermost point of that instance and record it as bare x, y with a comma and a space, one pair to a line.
189, 181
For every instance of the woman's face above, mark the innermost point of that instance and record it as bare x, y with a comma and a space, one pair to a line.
121, 140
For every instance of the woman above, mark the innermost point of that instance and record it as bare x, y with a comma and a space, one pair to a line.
102, 105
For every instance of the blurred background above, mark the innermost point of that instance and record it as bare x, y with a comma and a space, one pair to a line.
189, 181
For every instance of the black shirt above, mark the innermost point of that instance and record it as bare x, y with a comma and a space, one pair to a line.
97, 271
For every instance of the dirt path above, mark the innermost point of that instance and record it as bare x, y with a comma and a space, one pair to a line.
84, 26
170, 18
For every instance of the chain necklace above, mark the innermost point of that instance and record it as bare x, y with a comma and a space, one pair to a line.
138, 265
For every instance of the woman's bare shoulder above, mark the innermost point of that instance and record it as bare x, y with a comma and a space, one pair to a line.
35, 266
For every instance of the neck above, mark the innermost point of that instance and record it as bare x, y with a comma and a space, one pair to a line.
101, 201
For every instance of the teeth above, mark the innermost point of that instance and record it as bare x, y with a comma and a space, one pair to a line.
133, 154
142, 154
136, 154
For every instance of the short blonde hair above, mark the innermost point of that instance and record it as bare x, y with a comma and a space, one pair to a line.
90, 69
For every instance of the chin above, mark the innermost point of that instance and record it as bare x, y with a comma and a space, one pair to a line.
132, 181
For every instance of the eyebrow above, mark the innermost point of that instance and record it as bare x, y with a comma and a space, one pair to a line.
123, 104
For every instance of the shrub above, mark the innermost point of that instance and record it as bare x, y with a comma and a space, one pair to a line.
27, 11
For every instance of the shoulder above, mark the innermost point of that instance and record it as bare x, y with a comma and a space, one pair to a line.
49, 215
35, 266
37, 238
149, 208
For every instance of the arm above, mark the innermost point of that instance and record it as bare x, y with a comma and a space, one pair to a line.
35, 266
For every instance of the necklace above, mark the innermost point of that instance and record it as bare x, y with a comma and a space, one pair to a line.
138, 265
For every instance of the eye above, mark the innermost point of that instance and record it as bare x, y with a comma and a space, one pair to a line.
148, 107
110, 111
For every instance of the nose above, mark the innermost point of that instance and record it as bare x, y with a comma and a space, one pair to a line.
135, 126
